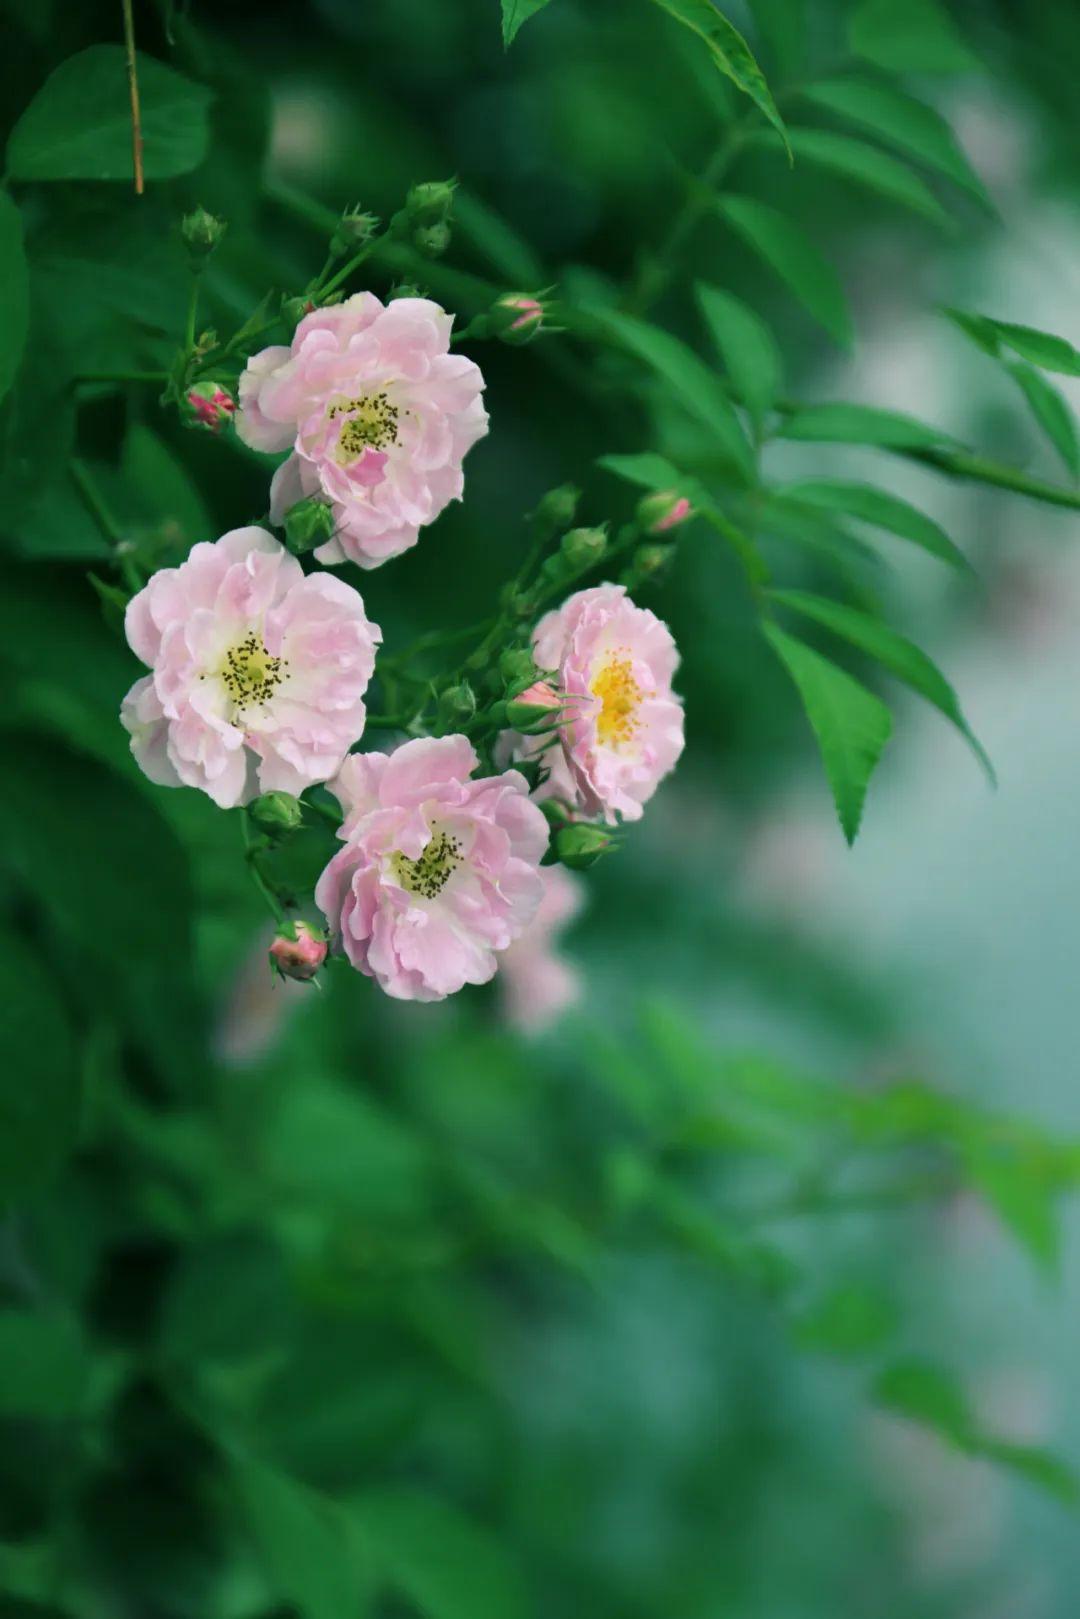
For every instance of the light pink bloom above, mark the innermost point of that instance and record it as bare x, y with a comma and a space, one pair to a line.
259, 673
623, 728
378, 414
438, 871
538, 984
300, 957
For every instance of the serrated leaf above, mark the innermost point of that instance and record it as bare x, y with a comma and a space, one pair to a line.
908, 36
895, 652
875, 506
445, 1565
78, 126
790, 253
1050, 410
689, 377
514, 14
851, 725
16, 284
747, 347
730, 52
863, 424
868, 166
908, 123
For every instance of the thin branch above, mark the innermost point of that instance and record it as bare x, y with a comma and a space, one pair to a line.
133, 86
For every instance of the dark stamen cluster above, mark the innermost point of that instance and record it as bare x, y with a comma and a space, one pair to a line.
429, 875
249, 673
373, 423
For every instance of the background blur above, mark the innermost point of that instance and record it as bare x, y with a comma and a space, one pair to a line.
347, 1307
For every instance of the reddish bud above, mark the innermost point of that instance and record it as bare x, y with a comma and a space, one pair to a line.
301, 956
210, 406
665, 510
535, 709
518, 317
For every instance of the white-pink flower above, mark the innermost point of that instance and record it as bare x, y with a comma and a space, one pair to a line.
537, 983
438, 872
623, 728
378, 414
259, 673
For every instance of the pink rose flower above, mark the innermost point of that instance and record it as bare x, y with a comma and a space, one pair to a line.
538, 984
438, 872
259, 673
378, 414
623, 728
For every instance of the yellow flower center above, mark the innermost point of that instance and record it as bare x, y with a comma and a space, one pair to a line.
429, 874
372, 424
619, 696
249, 674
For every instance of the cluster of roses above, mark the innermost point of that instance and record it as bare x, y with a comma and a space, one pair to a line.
259, 671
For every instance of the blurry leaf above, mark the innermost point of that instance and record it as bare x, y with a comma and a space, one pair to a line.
40, 1090
908, 123
43, 1365
908, 36
312, 1552
730, 52
851, 725
853, 1319
163, 493
883, 510
1023, 1199
514, 14
506, 251
13, 279
863, 424
783, 24
902, 657
792, 255
699, 390
748, 348
648, 470
1040, 1466
855, 160
341, 1146
1042, 349
444, 1565
928, 1394
78, 126
226, 1300
1050, 411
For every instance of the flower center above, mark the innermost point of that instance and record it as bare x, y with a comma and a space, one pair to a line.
428, 875
250, 675
618, 694
372, 424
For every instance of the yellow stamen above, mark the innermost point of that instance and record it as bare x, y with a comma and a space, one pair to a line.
619, 696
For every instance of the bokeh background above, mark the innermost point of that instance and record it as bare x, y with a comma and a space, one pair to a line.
334, 1306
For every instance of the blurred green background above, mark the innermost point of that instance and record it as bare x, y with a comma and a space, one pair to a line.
313, 1303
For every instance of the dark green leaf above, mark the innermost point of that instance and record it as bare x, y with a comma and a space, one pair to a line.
899, 655
40, 1088
747, 347
850, 1320
851, 725
791, 254
227, 1300
1042, 349
1023, 1197
14, 280
651, 471
312, 1551
730, 52
928, 1394
443, 1564
870, 167
875, 506
783, 25
78, 126
863, 424
908, 36
43, 1365
514, 14
1050, 410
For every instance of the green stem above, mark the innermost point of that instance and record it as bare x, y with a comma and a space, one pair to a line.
979, 469
252, 853
192, 314
347, 269
108, 525
119, 376
656, 271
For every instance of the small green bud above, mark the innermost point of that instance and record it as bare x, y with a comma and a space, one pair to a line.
404, 289
293, 310
582, 547
517, 668
581, 844
430, 202
277, 814
353, 230
457, 704
516, 317
432, 240
649, 563
201, 233
307, 524
555, 510
663, 510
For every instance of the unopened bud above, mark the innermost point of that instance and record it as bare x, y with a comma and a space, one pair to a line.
430, 202
517, 668
580, 845
517, 317
432, 240
354, 228
649, 562
277, 813
301, 956
201, 232
209, 406
534, 710
307, 524
293, 310
457, 703
404, 289
662, 511
555, 510
582, 547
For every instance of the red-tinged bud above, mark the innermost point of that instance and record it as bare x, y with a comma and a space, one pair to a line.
534, 710
661, 512
209, 406
301, 956
517, 317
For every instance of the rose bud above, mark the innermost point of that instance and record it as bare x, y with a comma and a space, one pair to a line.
582, 547
299, 957
201, 232
535, 709
210, 406
307, 524
660, 512
276, 813
580, 846
517, 317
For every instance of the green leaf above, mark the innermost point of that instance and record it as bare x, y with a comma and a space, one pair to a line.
863, 424
227, 1300
866, 165
900, 656
1041, 349
43, 1365
312, 1552
514, 14
651, 471
875, 506
852, 1319
783, 25
790, 253
689, 377
504, 248
915, 128
927, 1393
1050, 410
439, 1561
730, 52
851, 725
1039, 1466
40, 1086
78, 126
160, 492
1011, 1180
747, 347
15, 282
908, 36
